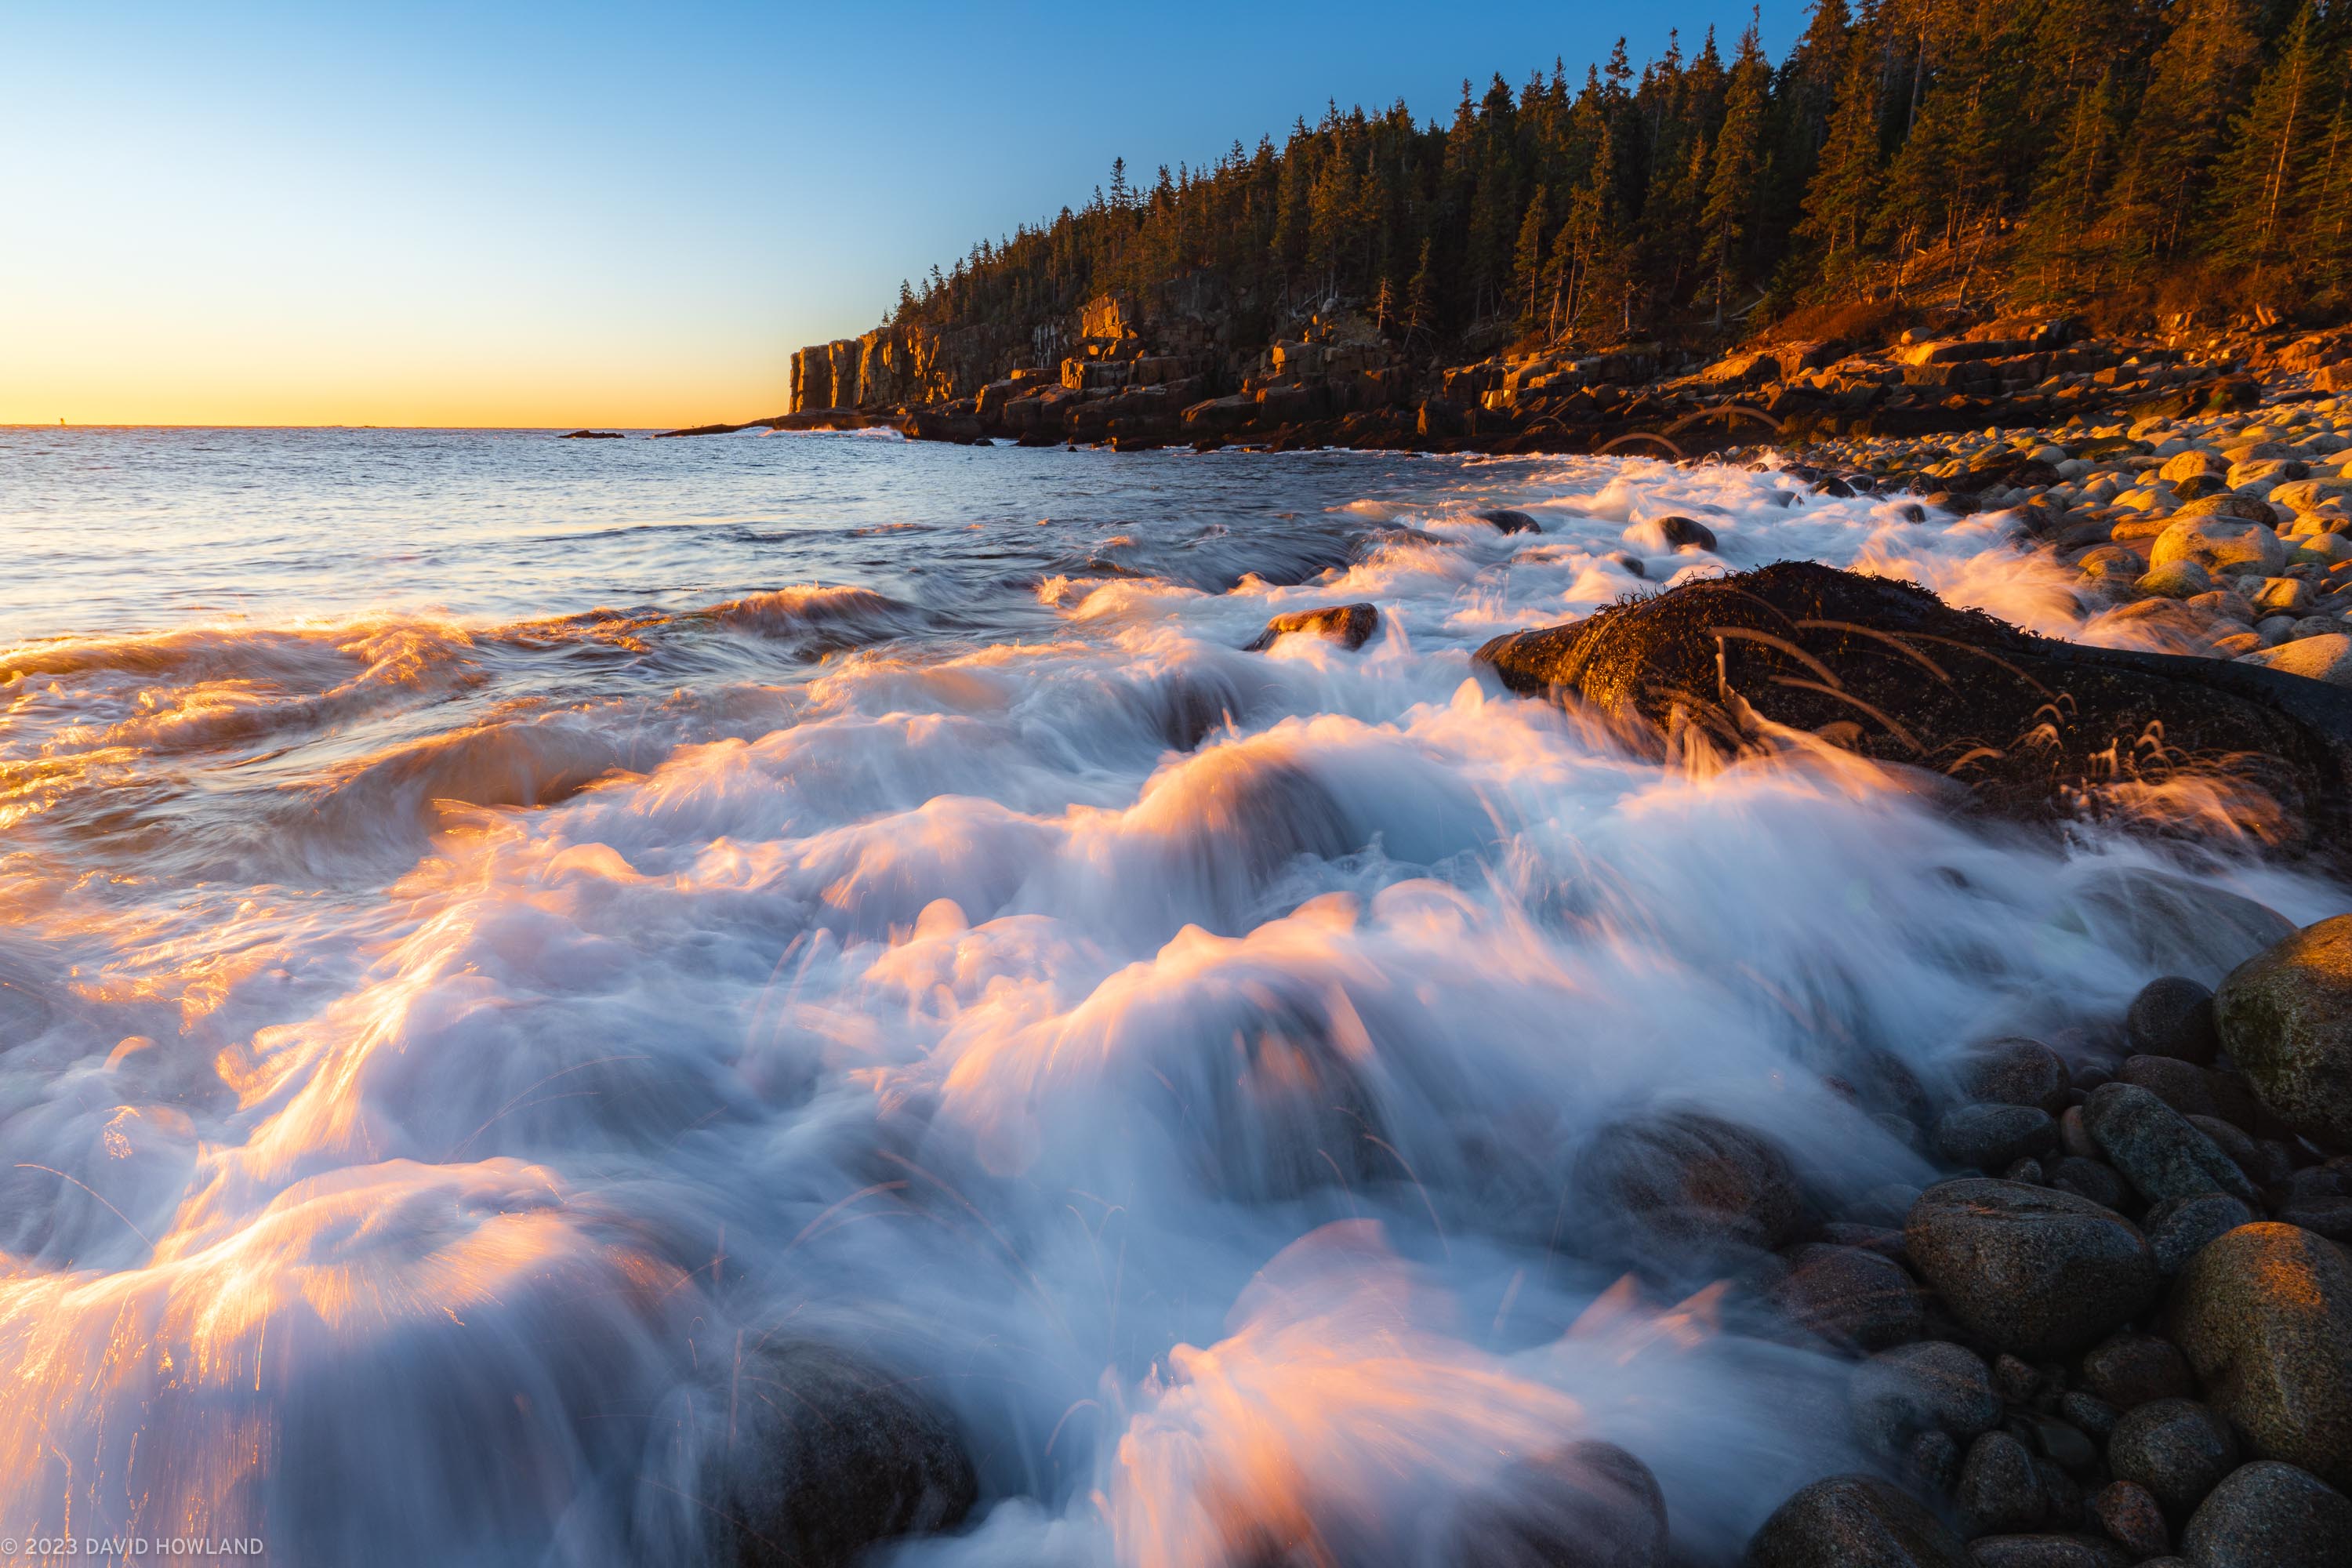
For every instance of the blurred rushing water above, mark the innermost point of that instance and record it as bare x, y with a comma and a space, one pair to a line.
492, 927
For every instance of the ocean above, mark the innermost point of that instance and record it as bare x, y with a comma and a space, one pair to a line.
509, 946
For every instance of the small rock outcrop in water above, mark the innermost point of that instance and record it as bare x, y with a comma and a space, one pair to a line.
1594, 1505
592, 436
1509, 522
1349, 625
1683, 1189
843, 1456
1884, 667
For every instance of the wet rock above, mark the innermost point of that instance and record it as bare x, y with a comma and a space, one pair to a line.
1850, 1298
2269, 1515
1505, 520
2015, 1072
2035, 1271
1669, 536
2156, 1148
2000, 1492
1854, 1522
1932, 1463
1992, 1137
2184, 1086
2073, 1136
2177, 1229
1591, 1506
2264, 1163
846, 1456
1681, 1189
2286, 1018
2265, 1314
2063, 1444
1934, 1385
2330, 1218
2091, 1179
1889, 670
2088, 1412
2014, 1379
2177, 1448
1349, 625
2130, 1514
2046, 1552
2128, 1370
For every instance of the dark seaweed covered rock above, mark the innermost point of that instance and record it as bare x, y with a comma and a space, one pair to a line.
1885, 667
1349, 625
831, 1455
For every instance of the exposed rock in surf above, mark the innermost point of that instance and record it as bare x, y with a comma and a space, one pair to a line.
2286, 1020
1593, 1505
1683, 1190
1854, 1522
1505, 520
2173, 1016
2265, 1316
1931, 1385
2030, 726
831, 1455
2031, 1270
591, 436
1851, 1298
1349, 625
2179, 1229
2015, 1072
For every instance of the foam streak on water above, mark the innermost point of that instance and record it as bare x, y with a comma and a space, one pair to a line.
492, 933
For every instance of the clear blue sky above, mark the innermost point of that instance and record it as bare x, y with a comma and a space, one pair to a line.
591, 214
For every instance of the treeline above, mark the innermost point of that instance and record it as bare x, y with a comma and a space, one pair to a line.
2082, 150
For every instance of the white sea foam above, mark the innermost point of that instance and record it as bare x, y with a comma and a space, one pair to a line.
1173, 1060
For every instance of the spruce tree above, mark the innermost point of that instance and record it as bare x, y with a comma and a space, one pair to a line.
2269, 153
1737, 176
1843, 194
2194, 83
1527, 259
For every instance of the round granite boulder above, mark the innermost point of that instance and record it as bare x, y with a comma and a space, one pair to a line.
2286, 1018
2173, 1016
2177, 1448
2037, 1272
2269, 1515
2265, 1314
1854, 1522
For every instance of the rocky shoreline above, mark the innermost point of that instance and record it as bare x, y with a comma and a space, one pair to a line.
2120, 1331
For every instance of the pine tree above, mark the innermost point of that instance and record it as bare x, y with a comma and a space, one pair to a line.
2269, 154
1732, 188
2194, 85
2061, 243
1845, 192
1527, 259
